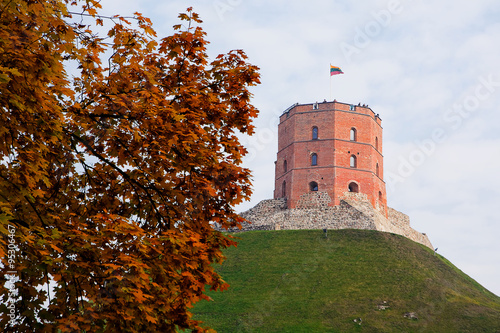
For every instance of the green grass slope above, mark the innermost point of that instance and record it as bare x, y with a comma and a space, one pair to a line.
352, 281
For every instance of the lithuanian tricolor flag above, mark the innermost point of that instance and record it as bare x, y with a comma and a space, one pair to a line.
335, 70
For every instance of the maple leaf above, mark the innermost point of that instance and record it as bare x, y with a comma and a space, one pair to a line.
110, 179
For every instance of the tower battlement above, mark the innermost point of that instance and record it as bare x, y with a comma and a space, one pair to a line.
330, 147
329, 174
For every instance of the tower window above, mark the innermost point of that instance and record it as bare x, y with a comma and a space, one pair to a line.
315, 133
353, 162
285, 166
314, 159
353, 187
379, 196
315, 106
353, 135
376, 143
283, 189
313, 186
352, 107
377, 170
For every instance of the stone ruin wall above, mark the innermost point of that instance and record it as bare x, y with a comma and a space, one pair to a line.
313, 212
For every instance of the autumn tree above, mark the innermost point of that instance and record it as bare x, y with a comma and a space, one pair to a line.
117, 153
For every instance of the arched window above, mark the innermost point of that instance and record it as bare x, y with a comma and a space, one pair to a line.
315, 133
376, 143
314, 159
377, 170
353, 187
353, 134
379, 196
285, 166
313, 186
283, 189
353, 162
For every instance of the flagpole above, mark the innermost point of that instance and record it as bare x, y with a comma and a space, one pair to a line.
333, 71
330, 75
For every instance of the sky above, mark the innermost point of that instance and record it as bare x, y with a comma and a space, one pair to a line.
431, 69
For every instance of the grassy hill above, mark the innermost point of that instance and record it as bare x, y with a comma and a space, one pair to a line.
352, 281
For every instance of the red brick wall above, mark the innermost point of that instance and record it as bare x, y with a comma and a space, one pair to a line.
333, 148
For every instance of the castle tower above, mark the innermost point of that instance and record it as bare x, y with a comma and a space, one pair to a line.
327, 149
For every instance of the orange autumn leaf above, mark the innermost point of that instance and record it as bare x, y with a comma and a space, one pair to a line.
112, 173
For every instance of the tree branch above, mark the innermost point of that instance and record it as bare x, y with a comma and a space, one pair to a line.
132, 181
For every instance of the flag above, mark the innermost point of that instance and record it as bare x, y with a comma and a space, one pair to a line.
335, 70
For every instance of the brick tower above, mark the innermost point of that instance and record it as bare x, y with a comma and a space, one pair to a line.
327, 149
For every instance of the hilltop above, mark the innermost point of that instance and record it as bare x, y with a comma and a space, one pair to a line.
349, 281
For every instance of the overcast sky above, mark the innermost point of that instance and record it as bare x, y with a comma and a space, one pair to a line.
430, 69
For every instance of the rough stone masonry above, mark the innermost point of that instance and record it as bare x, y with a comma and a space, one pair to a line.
312, 212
